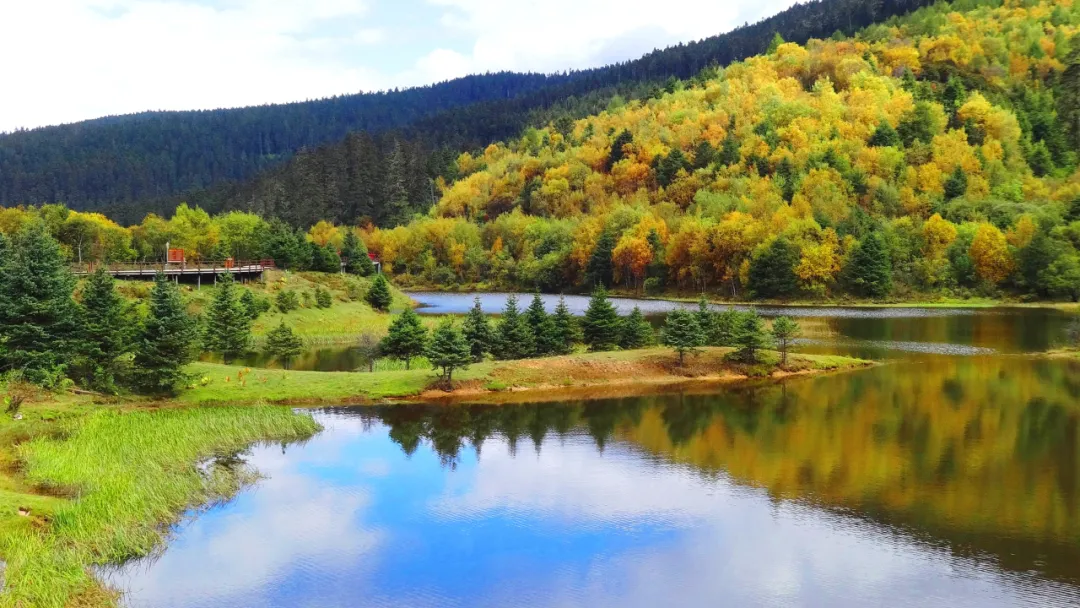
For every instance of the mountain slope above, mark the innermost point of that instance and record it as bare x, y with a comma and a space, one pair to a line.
934, 152
143, 160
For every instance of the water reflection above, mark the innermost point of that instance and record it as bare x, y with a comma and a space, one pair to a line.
909, 484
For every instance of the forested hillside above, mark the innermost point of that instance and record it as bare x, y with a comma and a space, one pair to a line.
129, 165
935, 152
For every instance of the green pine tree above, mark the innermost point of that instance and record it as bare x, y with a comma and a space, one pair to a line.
775, 43
784, 330
40, 322
355, 255
166, 340
514, 337
323, 298
449, 350
478, 332
567, 332
545, 339
706, 319
956, 185
107, 331
286, 301
682, 333
251, 304
228, 327
869, 268
601, 326
378, 295
885, 136
407, 338
751, 337
600, 269
772, 271
283, 344
725, 328
636, 331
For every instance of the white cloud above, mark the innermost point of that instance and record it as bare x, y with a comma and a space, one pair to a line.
553, 35
69, 60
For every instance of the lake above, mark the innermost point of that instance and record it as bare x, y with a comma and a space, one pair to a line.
950, 476
865, 332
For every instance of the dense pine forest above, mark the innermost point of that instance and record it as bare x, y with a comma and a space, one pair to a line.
129, 165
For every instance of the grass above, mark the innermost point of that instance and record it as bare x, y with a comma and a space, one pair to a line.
220, 383
100, 486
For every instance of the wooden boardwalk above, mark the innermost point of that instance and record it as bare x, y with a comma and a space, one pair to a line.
198, 270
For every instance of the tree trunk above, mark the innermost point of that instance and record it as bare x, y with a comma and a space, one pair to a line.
407, 362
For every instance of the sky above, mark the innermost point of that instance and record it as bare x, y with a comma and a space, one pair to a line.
70, 60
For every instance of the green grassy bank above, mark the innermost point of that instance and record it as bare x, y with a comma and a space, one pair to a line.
100, 485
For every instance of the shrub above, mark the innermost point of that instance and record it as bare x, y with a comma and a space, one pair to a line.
287, 301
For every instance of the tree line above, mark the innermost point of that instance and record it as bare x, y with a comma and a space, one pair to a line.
130, 165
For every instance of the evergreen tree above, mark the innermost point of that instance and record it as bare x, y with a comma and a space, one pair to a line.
751, 337
566, 329
286, 301
682, 333
885, 136
725, 328
1069, 97
784, 330
253, 304
730, 153
706, 319
956, 185
107, 331
601, 326
772, 272
869, 269
378, 295
543, 328
283, 344
166, 341
406, 339
514, 339
617, 152
228, 327
449, 350
282, 246
355, 255
324, 258
397, 209
323, 298
477, 331
635, 331
600, 270
1072, 214
39, 321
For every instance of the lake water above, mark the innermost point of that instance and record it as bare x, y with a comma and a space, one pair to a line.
950, 476
867, 332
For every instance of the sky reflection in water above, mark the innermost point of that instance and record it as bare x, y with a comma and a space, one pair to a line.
688, 501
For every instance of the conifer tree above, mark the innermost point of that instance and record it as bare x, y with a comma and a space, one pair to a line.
283, 344
636, 331
228, 327
166, 340
682, 333
869, 270
725, 328
323, 298
706, 319
543, 328
885, 136
449, 350
601, 326
751, 337
286, 301
477, 331
601, 268
772, 272
407, 338
252, 305
956, 185
355, 255
775, 43
40, 322
784, 330
567, 331
107, 331
515, 339
378, 295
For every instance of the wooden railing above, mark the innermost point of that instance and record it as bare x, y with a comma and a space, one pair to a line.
152, 268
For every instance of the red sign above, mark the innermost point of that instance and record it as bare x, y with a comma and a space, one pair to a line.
176, 256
